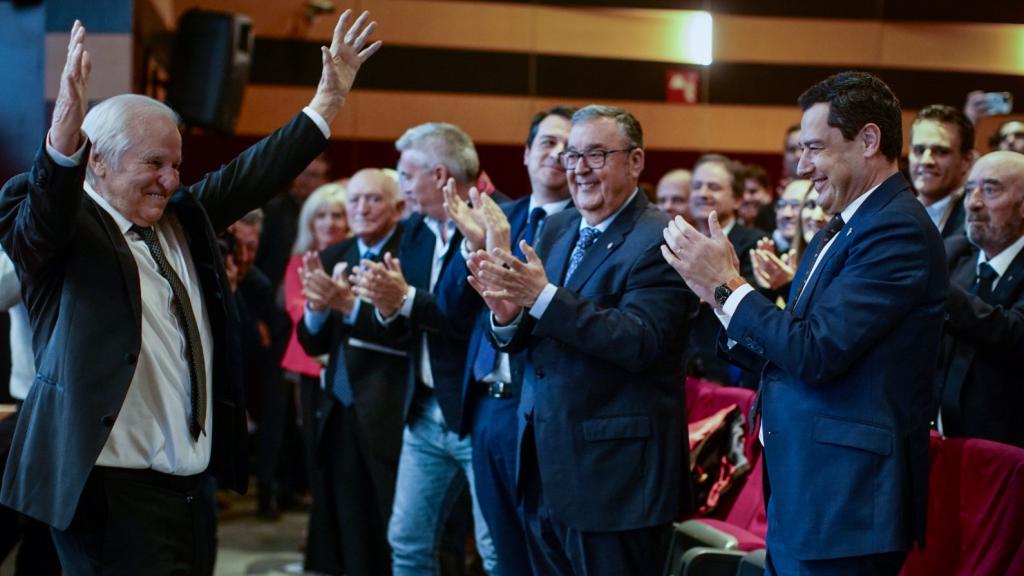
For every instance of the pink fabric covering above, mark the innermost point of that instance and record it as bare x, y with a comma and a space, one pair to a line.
975, 510
741, 511
295, 358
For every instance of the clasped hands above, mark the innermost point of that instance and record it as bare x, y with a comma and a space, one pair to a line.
703, 262
506, 283
379, 283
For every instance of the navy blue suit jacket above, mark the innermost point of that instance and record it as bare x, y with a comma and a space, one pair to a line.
464, 307
603, 381
846, 391
446, 339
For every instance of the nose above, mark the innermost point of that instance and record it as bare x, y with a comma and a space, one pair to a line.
169, 179
556, 150
972, 198
804, 167
926, 157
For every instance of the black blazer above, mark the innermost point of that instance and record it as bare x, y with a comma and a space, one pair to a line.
956, 221
378, 379
979, 383
81, 286
603, 381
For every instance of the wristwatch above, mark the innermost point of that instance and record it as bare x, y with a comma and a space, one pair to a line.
723, 292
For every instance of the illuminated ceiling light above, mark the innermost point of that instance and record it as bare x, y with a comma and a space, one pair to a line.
695, 37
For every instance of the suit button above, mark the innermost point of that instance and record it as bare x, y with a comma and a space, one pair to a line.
129, 358
107, 420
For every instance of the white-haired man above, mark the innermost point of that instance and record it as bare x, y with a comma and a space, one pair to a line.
136, 399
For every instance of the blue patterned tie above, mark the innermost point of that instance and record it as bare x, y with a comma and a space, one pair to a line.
588, 236
181, 306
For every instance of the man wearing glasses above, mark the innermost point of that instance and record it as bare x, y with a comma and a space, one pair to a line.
604, 323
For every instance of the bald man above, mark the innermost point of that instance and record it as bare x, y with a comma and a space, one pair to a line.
359, 424
979, 381
673, 194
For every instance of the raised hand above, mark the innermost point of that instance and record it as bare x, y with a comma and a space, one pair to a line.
73, 95
703, 262
341, 62
499, 231
503, 309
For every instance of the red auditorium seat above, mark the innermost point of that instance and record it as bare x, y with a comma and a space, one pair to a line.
975, 511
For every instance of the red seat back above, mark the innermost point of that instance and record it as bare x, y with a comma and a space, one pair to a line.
975, 510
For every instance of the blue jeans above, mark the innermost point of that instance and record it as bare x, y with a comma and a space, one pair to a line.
428, 485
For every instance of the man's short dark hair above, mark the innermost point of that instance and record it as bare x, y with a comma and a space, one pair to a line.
628, 124
948, 115
734, 168
561, 110
755, 172
857, 99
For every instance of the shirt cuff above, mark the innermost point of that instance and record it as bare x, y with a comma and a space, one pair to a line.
731, 304
62, 160
350, 318
314, 319
404, 310
317, 119
504, 334
543, 301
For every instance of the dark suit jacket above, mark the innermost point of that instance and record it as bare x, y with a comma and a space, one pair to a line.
846, 390
446, 339
378, 379
466, 310
980, 386
956, 221
602, 386
81, 286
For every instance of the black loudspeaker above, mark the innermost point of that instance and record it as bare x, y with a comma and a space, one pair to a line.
210, 67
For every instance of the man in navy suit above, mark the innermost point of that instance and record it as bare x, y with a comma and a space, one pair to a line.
845, 393
941, 154
603, 321
137, 398
979, 381
492, 381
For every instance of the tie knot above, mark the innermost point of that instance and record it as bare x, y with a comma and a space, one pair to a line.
588, 236
987, 272
144, 232
835, 224
370, 255
537, 214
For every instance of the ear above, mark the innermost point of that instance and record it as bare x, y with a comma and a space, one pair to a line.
440, 174
967, 162
871, 136
526, 156
636, 163
98, 164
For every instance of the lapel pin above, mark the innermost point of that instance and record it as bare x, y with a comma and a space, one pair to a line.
610, 244
849, 231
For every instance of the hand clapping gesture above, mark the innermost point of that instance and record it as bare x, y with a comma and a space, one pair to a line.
325, 292
381, 283
482, 222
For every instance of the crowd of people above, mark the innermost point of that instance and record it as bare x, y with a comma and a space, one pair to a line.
426, 358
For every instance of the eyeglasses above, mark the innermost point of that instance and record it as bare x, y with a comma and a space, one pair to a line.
782, 203
594, 158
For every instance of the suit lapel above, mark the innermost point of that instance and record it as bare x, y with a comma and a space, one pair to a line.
607, 242
417, 253
124, 256
879, 198
1009, 284
558, 258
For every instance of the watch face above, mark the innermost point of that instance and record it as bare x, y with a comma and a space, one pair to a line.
722, 294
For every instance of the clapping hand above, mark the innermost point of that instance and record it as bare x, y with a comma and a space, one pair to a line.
381, 283
771, 271
506, 283
703, 262
480, 221
322, 291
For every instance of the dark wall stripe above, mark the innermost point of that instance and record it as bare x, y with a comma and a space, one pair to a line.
406, 68
998, 11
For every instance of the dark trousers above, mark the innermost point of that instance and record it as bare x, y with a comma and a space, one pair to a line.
352, 496
140, 522
888, 564
36, 555
494, 468
560, 550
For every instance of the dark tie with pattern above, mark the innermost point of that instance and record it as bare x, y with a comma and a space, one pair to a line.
182, 308
588, 235
827, 234
530, 232
341, 387
986, 277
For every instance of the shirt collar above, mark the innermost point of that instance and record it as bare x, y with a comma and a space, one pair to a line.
850, 210
1001, 262
938, 209
604, 224
123, 224
378, 247
550, 208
